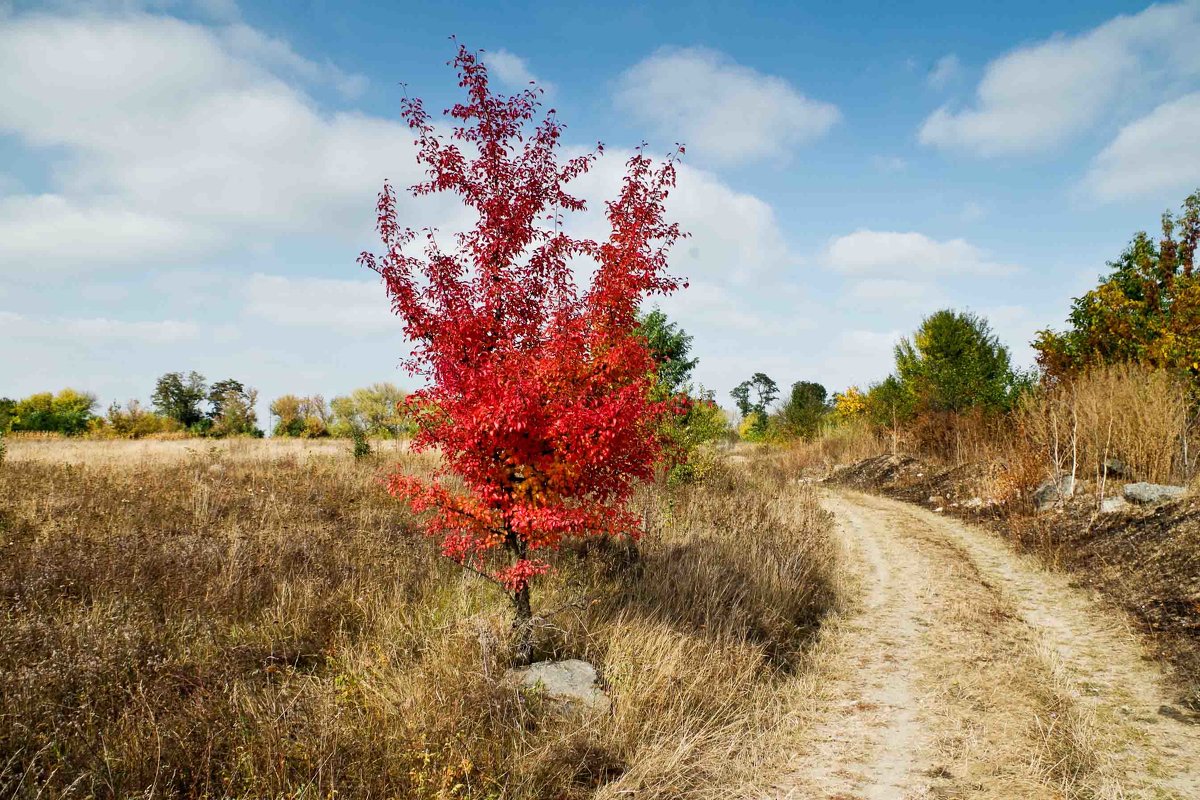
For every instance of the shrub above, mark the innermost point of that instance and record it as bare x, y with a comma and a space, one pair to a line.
692, 437
135, 422
849, 406
361, 447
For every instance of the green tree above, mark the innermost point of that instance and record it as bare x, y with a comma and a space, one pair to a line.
670, 347
954, 362
373, 410
889, 403
1146, 309
180, 397
233, 410
67, 412
220, 391
35, 413
806, 407
7, 409
300, 416
754, 396
288, 419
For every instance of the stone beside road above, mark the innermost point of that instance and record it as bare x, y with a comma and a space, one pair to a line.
1151, 493
572, 682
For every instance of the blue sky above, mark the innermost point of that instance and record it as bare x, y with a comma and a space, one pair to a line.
185, 185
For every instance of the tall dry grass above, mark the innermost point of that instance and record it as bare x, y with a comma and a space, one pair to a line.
256, 622
836, 444
1122, 413
1110, 424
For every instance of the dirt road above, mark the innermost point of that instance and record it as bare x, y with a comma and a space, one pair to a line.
965, 670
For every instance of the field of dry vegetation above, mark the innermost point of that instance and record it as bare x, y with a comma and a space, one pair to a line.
259, 619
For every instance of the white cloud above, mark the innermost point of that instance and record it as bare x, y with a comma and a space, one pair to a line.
893, 293
278, 55
93, 329
513, 71
1157, 152
733, 235
351, 307
52, 231
719, 109
710, 306
1015, 326
180, 140
886, 253
1037, 96
859, 357
944, 72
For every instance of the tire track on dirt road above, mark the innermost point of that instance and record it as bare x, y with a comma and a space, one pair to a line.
962, 669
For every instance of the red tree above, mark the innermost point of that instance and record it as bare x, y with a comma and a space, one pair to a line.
538, 389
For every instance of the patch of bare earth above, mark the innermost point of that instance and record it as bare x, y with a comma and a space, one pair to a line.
965, 670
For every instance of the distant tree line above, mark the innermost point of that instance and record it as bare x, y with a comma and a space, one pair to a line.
185, 404
953, 363
375, 411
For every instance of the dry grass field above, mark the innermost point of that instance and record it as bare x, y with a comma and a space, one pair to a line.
258, 619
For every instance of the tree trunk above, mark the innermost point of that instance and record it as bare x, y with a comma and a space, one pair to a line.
523, 627
522, 605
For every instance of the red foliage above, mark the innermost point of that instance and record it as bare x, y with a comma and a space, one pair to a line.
538, 392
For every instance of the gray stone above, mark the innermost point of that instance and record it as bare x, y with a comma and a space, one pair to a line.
1054, 491
571, 682
974, 502
1116, 468
1150, 493
1112, 505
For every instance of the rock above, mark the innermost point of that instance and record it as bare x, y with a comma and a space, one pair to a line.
936, 500
1150, 493
1116, 468
1112, 505
974, 502
1054, 491
570, 682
